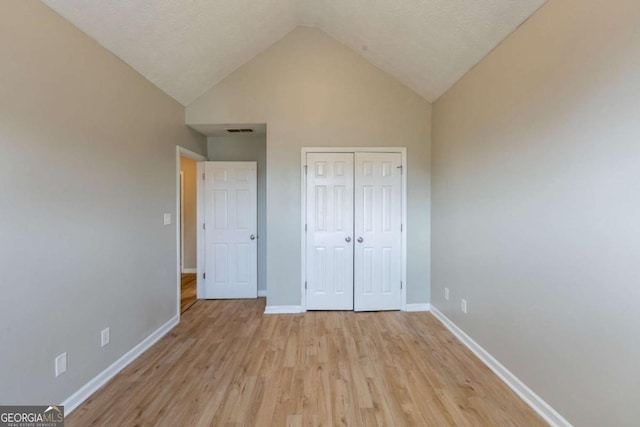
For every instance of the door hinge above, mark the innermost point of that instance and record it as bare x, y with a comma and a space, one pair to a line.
305, 286
204, 275
204, 226
305, 227
203, 177
401, 227
305, 169
401, 284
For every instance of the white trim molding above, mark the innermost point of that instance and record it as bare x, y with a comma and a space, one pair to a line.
536, 403
417, 307
200, 288
73, 401
283, 309
262, 293
181, 151
181, 212
189, 270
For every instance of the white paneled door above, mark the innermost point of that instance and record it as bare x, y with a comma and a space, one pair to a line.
378, 237
329, 247
353, 231
231, 230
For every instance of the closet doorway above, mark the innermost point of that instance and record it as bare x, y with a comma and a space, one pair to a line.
354, 210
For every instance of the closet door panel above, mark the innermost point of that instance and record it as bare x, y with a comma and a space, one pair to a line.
329, 235
378, 219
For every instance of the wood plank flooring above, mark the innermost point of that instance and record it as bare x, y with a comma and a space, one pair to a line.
188, 284
229, 364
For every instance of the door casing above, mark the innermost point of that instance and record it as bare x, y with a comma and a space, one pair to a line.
303, 205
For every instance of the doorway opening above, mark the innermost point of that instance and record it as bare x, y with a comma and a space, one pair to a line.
186, 225
226, 146
188, 231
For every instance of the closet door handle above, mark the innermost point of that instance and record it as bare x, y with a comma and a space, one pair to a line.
347, 239
360, 240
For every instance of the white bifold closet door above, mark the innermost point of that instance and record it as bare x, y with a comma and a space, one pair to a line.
353, 239
231, 212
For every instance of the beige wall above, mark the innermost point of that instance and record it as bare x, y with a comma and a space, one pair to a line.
189, 216
313, 91
87, 169
536, 195
252, 148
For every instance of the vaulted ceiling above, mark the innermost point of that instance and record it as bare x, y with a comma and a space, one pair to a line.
186, 46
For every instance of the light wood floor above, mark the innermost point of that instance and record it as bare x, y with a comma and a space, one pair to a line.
229, 364
187, 291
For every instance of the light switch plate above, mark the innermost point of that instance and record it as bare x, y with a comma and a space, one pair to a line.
167, 219
61, 364
104, 337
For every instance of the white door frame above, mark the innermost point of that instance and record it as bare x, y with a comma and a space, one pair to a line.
181, 222
184, 152
303, 208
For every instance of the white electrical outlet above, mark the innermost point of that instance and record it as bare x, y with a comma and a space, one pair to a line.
464, 306
104, 337
446, 294
167, 219
61, 364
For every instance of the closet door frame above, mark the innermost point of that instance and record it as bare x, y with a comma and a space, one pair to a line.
303, 213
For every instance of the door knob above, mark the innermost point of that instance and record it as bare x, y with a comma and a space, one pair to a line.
252, 237
360, 240
348, 239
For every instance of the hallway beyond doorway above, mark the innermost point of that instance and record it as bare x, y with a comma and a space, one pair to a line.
187, 291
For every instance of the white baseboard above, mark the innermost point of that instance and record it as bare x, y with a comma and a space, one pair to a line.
533, 400
282, 309
262, 292
189, 270
417, 307
73, 401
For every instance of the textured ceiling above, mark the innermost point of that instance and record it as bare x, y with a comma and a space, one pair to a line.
186, 46
426, 44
